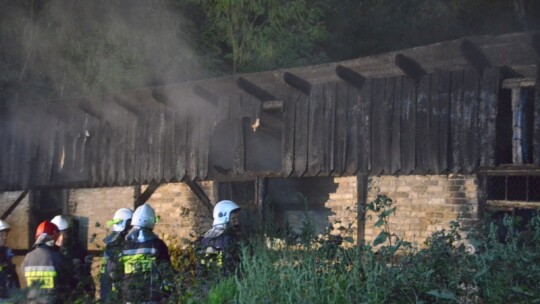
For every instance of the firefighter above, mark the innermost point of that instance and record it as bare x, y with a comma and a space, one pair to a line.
145, 260
220, 244
46, 272
73, 251
8, 276
110, 272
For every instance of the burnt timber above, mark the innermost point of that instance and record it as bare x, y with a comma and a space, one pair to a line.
426, 110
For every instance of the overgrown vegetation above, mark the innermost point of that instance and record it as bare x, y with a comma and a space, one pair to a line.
495, 264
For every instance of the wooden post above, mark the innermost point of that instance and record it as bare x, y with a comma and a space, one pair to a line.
261, 193
361, 192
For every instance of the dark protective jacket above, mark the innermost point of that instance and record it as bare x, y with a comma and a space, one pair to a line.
111, 269
145, 261
220, 249
47, 275
82, 278
8, 276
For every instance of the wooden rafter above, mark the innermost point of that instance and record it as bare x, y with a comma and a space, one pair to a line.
268, 101
205, 94
126, 104
254, 89
298, 83
159, 95
410, 67
474, 55
350, 76
86, 106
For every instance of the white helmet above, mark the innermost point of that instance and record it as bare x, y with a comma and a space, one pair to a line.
121, 217
4, 226
61, 222
144, 216
222, 211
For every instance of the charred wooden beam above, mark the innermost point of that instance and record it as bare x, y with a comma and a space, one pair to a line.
350, 76
296, 82
410, 67
272, 105
205, 94
269, 102
86, 106
126, 104
145, 196
514, 83
159, 95
14, 204
254, 89
199, 192
474, 55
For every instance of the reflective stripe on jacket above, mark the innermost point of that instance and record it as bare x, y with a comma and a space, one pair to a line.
42, 268
40, 276
142, 279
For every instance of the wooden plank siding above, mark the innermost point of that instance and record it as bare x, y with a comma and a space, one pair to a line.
423, 148
301, 135
408, 125
328, 135
376, 122
487, 115
353, 119
439, 121
341, 129
536, 123
377, 126
317, 131
288, 134
469, 120
364, 131
389, 126
395, 142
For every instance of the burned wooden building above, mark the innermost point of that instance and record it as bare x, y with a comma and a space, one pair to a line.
449, 125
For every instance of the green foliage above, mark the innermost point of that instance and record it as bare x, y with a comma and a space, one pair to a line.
503, 269
254, 35
223, 292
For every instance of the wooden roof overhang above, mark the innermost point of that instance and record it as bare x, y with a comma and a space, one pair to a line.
425, 110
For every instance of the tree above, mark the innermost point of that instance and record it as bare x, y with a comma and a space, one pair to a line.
255, 35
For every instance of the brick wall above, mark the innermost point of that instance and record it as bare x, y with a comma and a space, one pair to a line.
18, 219
179, 210
182, 215
343, 204
94, 207
18, 237
425, 204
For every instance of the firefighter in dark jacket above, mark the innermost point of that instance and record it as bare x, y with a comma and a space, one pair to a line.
8, 276
145, 260
72, 250
220, 247
111, 273
46, 272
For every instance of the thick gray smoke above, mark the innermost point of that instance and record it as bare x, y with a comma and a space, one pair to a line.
57, 49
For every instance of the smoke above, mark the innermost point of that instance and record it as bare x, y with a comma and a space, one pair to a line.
96, 47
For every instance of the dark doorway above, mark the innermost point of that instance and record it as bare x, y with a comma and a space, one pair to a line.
44, 205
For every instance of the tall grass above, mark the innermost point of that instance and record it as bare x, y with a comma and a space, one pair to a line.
504, 268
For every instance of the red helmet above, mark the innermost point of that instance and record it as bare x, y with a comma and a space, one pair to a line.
48, 228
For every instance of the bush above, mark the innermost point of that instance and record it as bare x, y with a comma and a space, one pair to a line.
504, 268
